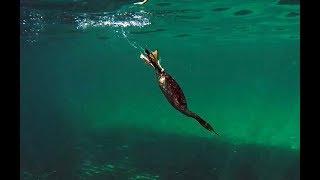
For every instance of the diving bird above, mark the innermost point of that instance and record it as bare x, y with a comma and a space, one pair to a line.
171, 89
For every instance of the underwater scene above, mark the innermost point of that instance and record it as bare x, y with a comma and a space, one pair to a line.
91, 107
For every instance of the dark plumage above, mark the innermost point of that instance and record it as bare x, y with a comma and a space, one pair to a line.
171, 89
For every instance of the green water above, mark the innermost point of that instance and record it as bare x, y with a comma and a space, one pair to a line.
237, 61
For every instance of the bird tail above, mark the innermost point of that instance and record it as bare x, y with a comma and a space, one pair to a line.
201, 121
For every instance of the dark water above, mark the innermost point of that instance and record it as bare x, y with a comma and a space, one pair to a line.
91, 109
